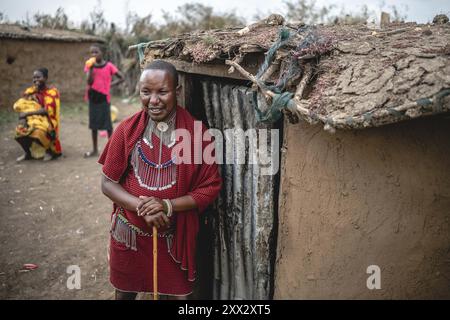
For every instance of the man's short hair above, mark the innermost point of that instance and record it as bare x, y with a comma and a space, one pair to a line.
165, 66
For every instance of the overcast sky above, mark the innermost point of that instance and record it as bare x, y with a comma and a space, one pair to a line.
421, 11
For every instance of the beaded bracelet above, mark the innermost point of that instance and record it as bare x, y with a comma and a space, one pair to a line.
168, 209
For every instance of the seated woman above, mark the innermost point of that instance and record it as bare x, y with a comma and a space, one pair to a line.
38, 128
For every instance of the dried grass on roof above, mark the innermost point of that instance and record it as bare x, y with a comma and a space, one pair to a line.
364, 78
14, 31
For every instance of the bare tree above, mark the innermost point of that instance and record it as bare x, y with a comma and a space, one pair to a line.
57, 21
196, 16
3, 18
306, 11
96, 24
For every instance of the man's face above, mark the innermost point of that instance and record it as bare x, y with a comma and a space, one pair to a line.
158, 94
39, 79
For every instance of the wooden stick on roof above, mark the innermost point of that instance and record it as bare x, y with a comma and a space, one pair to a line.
252, 78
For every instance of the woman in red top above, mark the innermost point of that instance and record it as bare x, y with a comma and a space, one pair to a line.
149, 187
99, 76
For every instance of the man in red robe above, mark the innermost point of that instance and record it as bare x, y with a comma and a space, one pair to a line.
150, 188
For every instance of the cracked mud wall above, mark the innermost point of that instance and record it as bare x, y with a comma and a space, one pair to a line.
379, 196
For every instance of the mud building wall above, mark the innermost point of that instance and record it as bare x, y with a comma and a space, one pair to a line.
64, 60
378, 196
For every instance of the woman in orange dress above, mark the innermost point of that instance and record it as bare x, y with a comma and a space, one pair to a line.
37, 141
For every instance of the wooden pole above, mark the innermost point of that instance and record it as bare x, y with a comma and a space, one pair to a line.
155, 263
133, 47
252, 78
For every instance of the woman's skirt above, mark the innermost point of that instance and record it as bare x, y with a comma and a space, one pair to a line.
35, 142
99, 111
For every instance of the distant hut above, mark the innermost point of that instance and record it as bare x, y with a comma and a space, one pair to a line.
24, 49
362, 205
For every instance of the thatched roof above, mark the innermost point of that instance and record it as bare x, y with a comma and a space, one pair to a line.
344, 76
14, 31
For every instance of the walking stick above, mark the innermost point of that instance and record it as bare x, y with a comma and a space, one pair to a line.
162, 127
155, 263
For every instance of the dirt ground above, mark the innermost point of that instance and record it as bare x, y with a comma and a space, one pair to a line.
54, 215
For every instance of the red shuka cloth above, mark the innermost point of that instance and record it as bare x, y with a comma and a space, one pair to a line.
201, 181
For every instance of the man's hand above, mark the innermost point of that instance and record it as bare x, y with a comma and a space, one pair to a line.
158, 220
149, 206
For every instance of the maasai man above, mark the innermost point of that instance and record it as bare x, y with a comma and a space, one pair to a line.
149, 187
39, 137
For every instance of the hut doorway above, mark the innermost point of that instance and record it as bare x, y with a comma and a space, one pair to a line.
237, 239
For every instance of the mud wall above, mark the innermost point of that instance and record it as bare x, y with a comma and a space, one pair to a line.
380, 197
65, 61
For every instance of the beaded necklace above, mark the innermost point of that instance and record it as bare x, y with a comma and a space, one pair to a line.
168, 138
151, 175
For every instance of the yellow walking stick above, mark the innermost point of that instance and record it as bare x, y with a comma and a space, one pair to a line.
162, 127
155, 263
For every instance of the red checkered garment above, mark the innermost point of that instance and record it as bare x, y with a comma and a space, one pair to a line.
133, 270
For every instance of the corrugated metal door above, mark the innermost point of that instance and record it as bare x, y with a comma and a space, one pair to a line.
244, 228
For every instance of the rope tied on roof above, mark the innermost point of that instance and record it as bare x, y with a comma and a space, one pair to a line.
140, 50
274, 113
283, 37
313, 45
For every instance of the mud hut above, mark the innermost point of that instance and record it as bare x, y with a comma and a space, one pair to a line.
359, 210
22, 49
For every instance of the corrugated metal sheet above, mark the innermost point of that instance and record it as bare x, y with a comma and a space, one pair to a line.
243, 226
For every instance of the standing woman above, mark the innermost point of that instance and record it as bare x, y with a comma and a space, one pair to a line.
38, 142
99, 75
